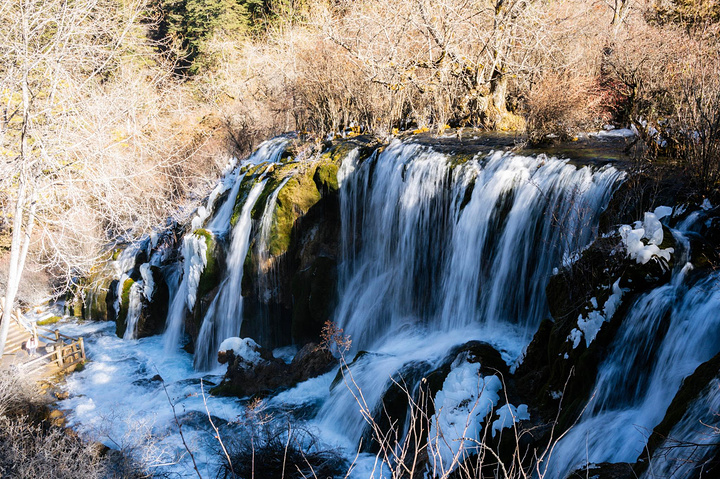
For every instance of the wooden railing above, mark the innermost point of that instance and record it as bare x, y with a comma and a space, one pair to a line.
66, 351
63, 356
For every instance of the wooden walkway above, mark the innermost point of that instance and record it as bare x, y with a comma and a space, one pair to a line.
56, 353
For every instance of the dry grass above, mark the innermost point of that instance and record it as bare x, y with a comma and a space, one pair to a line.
30, 446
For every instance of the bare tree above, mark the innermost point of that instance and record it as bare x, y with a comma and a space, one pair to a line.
85, 133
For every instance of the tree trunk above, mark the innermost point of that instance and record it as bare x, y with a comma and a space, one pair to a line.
498, 92
18, 252
13, 279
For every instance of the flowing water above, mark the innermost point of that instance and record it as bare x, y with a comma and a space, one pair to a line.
194, 247
224, 317
435, 250
668, 333
449, 254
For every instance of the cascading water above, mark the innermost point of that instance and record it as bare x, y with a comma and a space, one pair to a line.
667, 333
224, 317
430, 244
435, 250
135, 305
690, 443
194, 248
266, 279
437, 254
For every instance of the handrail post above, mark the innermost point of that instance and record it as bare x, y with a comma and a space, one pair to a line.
82, 348
57, 335
60, 355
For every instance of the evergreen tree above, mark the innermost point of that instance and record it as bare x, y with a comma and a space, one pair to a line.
188, 24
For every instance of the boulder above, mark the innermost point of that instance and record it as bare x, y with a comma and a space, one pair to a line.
253, 370
311, 361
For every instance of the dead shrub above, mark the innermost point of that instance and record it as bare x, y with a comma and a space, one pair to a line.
562, 104
30, 446
263, 447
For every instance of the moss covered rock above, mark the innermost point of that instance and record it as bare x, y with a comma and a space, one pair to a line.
121, 320
325, 177
252, 176
298, 195
211, 275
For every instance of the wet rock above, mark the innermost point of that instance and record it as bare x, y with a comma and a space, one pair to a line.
153, 321
391, 414
311, 361
57, 418
269, 374
124, 307
692, 389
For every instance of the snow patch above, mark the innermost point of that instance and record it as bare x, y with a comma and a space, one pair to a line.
508, 416
589, 326
650, 229
465, 399
245, 348
615, 133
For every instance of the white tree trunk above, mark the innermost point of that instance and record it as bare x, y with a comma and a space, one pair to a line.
13, 279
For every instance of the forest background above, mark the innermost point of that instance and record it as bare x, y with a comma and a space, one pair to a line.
117, 115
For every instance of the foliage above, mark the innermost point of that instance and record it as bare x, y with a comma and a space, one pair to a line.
190, 23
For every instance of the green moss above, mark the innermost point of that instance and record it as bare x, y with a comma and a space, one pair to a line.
210, 276
96, 304
125, 299
202, 232
252, 176
276, 175
124, 307
326, 176
295, 199
339, 151
48, 321
95, 290
460, 159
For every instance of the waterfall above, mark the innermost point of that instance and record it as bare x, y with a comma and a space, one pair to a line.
135, 305
436, 252
690, 442
221, 220
224, 316
667, 333
434, 245
266, 279
194, 248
